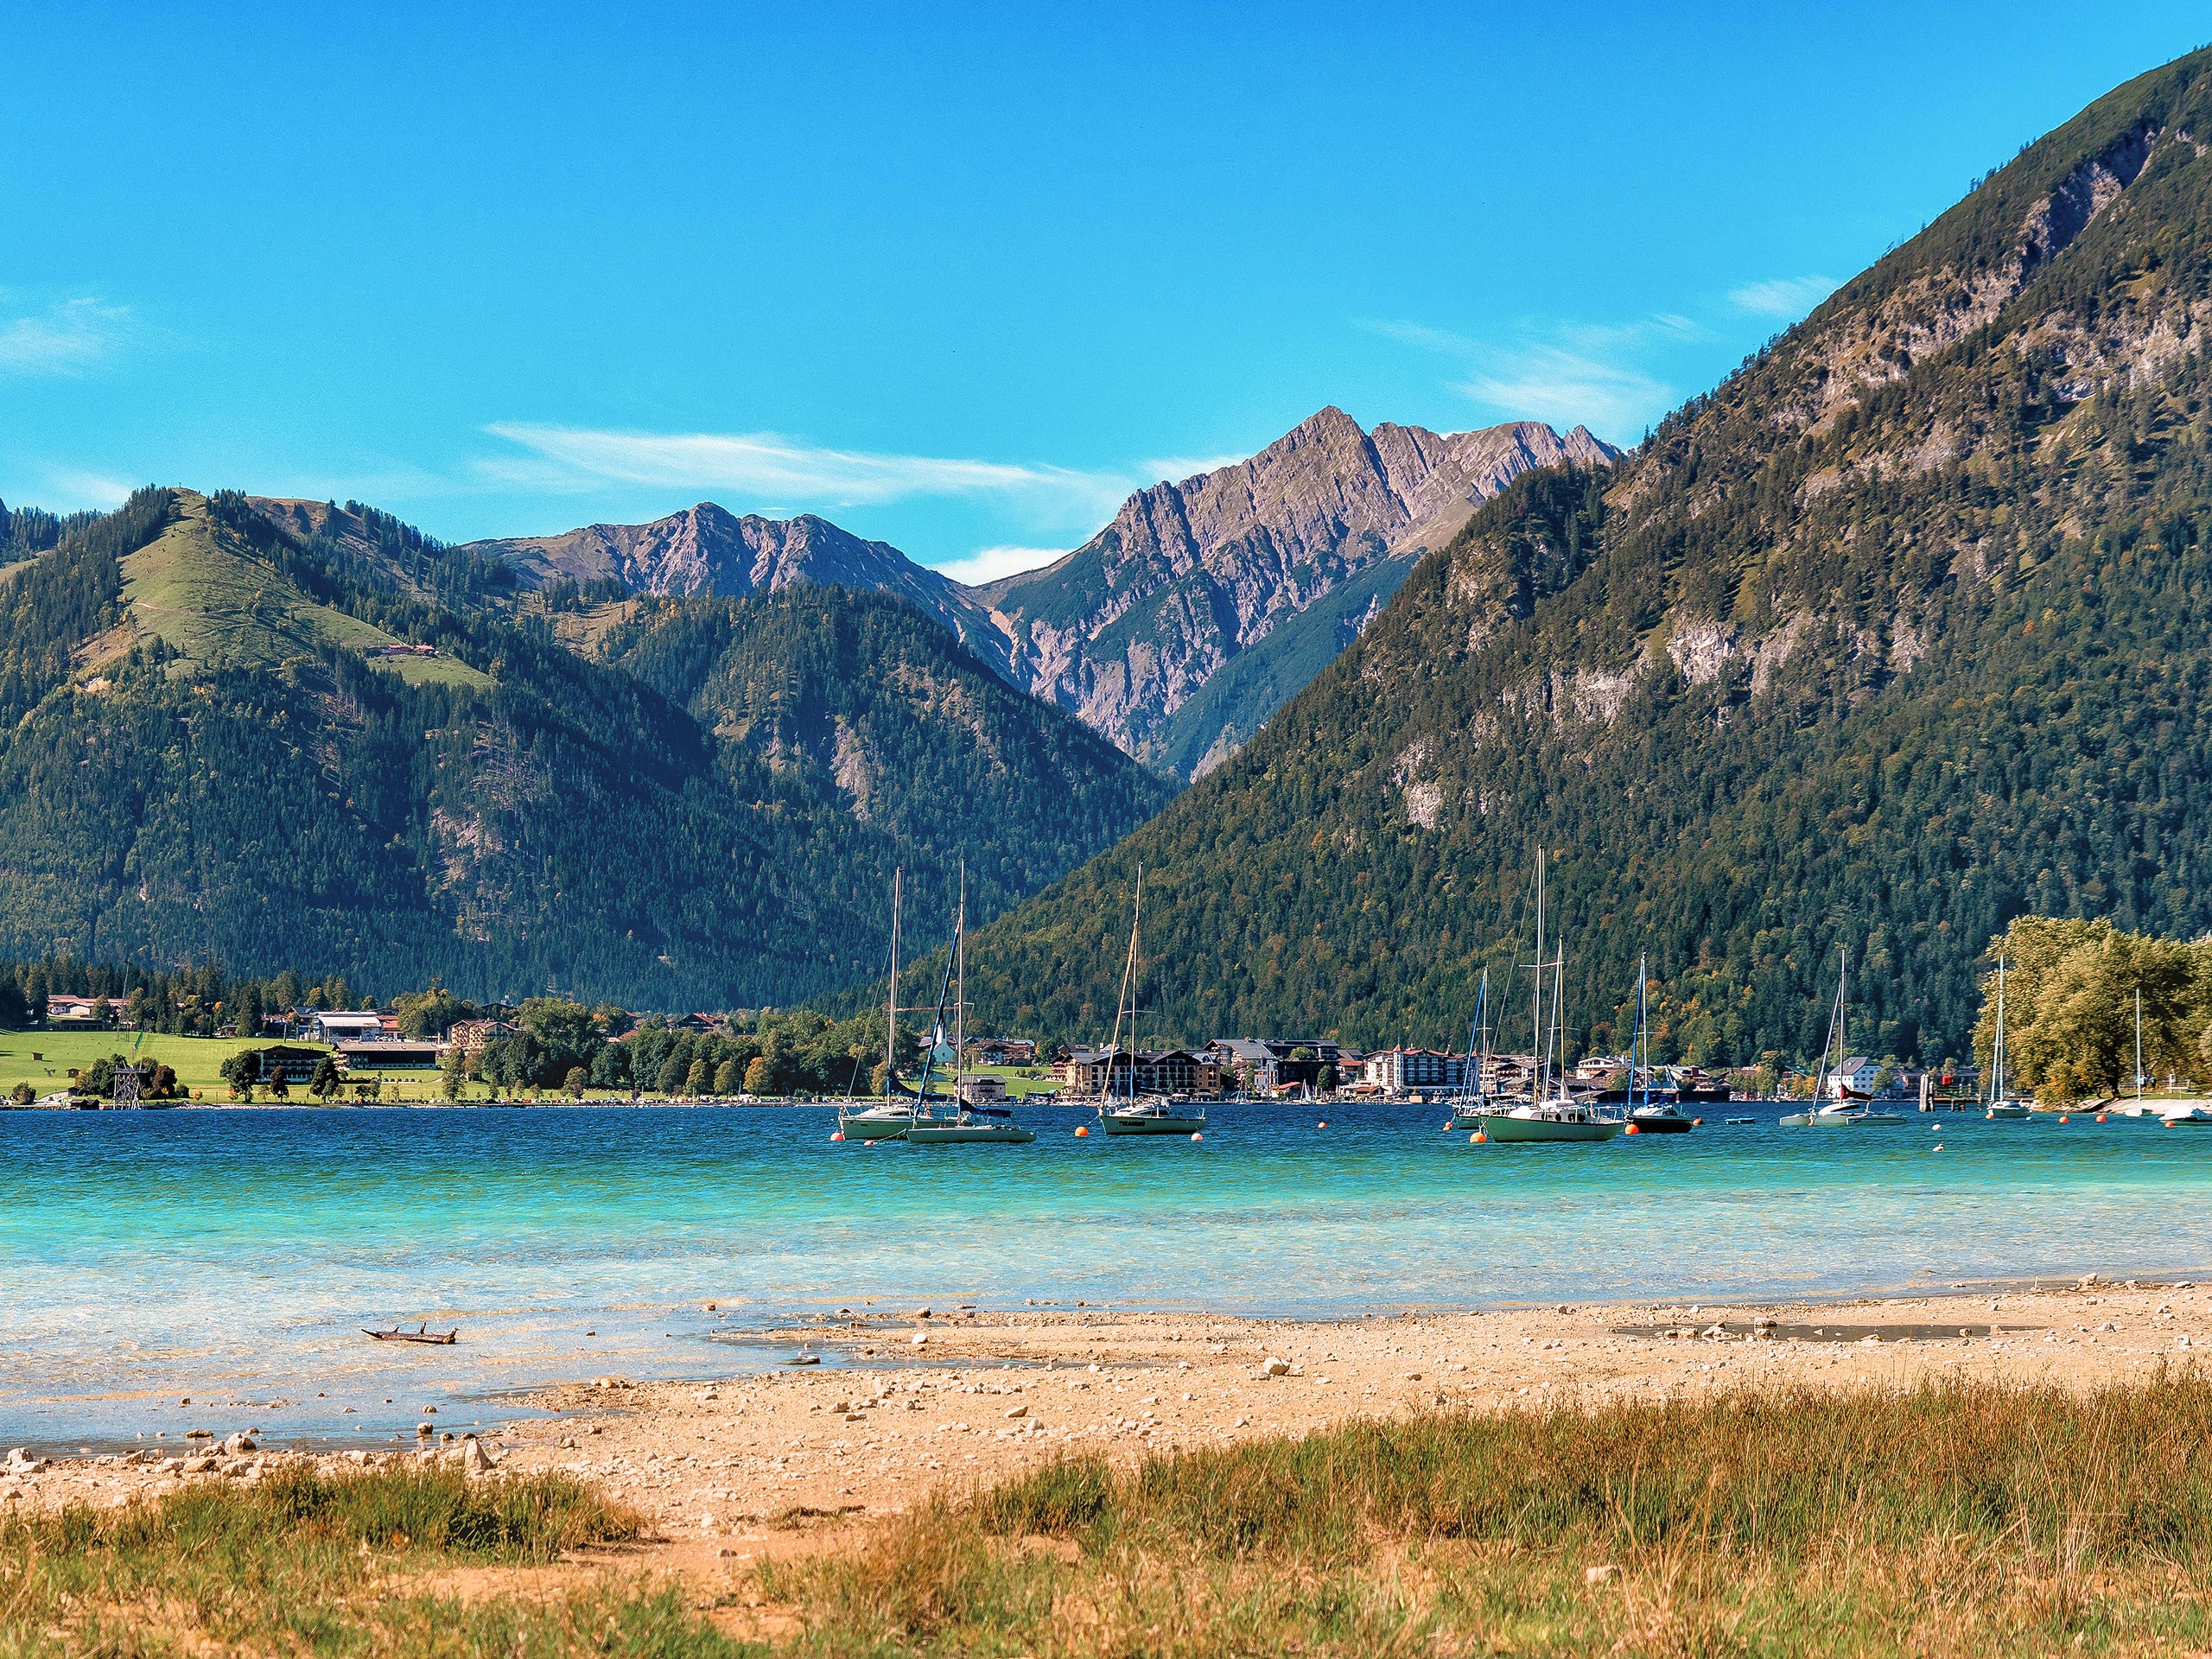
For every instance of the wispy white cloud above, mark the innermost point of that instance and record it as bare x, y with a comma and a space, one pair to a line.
1783, 296
1567, 374
1174, 469
66, 338
989, 563
771, 469
73, 489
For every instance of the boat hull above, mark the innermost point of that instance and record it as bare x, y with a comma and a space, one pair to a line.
1148, 1125
954, 1135
867, 1125
1661, 1123
1502, 1127
2006, 1109
1844, 1120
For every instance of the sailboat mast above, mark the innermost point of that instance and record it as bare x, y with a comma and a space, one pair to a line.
1136, 927
1997, 1048
1538, 1052
891, 999
2138, 1051
960, 950
1639, 1053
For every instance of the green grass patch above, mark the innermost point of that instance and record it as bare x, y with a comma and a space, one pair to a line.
215, 605
306, 1563
197, 1061
1957, 1518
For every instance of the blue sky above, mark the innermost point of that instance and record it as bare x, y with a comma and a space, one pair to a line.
958, 282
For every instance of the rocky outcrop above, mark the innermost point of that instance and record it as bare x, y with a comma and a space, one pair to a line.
1128, 628
709, 549
1125, 631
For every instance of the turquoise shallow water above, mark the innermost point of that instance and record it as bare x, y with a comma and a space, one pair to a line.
233, 1256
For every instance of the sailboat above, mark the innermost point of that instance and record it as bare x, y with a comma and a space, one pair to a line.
1665, 1117
965, 1123
1550, 1113
1475, 1080
893, 1116
1145, 1114
2002, 1104
1848, 1111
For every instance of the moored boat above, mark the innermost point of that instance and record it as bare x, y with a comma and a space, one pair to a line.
1550, 1113
1139, 1114
1850, 1109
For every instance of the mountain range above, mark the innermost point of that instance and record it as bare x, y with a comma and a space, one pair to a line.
1264, 568
264, 733
1900, 632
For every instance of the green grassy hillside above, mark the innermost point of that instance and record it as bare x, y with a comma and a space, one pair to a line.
1901, 632
200, 761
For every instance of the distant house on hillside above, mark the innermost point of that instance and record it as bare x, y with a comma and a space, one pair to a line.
1157, 1071
470, 1035
387, 1057
1413, 1071
1002, 1051
1271, 1062
333, 1026
69, 1010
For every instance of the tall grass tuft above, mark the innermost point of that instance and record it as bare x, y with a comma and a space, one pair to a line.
1956, 1516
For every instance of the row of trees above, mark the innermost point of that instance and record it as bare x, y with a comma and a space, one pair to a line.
564, 1045
195, 1001
2071, 991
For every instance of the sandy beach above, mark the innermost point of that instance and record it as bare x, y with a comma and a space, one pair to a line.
951, 1398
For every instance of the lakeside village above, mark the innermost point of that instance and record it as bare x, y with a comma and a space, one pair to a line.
433, 1047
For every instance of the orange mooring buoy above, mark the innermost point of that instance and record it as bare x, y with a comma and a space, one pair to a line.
1476, 1136
1633, 1129
1198, 1137
2101, 1118
838, 1137
2064, 1119
1083, 1129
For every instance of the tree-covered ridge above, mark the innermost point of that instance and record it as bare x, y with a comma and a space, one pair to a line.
218, 747
1898, 633
857, 698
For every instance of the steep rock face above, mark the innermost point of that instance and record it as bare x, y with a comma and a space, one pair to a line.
709, 549
1128, 628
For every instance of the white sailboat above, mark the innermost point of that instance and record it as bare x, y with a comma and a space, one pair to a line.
891, 1117
1845, 1112
1145, 1114
966, 1124
2001, 1103
1550, 1113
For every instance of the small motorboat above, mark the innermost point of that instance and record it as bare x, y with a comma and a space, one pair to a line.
2188, 1117
420, 1333
1663, 1117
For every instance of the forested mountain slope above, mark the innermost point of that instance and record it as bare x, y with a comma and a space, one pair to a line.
1901, 632
216, 744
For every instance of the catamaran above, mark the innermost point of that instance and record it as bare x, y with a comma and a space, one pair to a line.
967, 1122
893, 1116
1849, 1110
1550, 1113
2001, 1103
1148, 1113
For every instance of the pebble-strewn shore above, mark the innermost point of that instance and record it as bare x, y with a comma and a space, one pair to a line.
984, 1393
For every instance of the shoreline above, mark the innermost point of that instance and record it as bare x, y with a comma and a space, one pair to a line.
987, 1393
